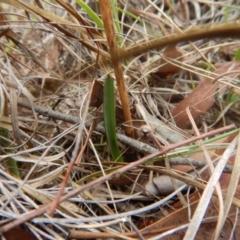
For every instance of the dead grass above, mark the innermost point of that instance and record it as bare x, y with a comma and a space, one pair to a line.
54, 60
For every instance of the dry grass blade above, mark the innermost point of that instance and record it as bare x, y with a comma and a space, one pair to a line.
211, 170
233, 184
45, 14
206, 197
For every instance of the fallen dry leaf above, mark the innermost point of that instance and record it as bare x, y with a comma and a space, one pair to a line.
206, 231
96, 97
19, 234
166, 68
202, 97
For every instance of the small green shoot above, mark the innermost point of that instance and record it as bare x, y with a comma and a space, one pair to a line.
12, 164
237, 55
109, 116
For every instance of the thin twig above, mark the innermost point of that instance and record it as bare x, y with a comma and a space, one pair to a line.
140, 146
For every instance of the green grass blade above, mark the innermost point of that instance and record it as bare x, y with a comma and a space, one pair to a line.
11, 163
115, 13
90, 13
110, 118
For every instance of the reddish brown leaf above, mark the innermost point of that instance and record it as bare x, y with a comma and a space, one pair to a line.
96, 97
202, 97
19, 234
166, 69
